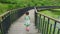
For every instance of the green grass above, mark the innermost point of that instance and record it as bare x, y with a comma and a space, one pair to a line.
51, 13
3, 8
56, 9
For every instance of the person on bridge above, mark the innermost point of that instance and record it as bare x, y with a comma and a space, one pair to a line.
27, 21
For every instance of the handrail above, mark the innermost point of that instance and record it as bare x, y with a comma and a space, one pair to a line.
8, 19
42, 7
44, 25
3, 15
58, 21
38, 8
5, 19
7, 13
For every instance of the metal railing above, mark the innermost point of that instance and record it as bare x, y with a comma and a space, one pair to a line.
46, 24
9, 17
6, 20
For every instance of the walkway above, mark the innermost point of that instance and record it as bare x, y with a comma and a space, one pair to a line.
18, 26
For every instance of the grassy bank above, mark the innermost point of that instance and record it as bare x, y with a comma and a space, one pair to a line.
54, 14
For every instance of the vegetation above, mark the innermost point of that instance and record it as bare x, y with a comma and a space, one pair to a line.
11, 4
54, 13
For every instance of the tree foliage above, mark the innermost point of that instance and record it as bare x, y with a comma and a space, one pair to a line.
11, 4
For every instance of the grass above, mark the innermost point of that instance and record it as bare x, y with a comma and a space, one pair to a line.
51, 14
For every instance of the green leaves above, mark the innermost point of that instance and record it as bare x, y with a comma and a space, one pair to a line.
11, 4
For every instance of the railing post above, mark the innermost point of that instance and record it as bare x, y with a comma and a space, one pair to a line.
54, 28
40, 22
2, 29
37, 22
47, 26
36, 19
2, 32
43, 25
39, 16
58, 31
50, 29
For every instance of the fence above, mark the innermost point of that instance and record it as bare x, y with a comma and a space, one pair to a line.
46, 24
9, 17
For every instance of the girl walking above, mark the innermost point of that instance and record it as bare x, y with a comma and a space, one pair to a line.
27, 21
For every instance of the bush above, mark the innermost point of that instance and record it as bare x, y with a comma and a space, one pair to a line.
11, 4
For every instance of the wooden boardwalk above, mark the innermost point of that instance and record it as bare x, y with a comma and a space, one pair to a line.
18, 26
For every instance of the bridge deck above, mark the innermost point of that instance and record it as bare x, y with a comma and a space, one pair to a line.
18, 26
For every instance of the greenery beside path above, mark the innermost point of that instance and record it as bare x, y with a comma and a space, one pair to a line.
55, 14
12, 4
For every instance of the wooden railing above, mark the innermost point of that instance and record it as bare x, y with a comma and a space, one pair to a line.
9, 17
46, 24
